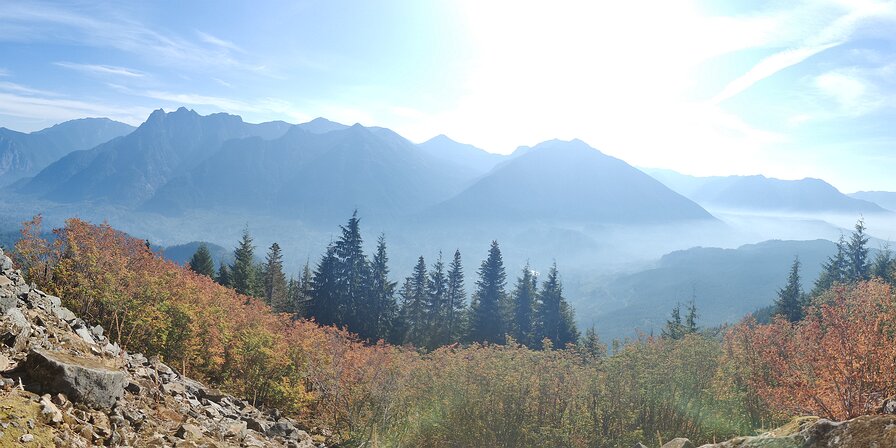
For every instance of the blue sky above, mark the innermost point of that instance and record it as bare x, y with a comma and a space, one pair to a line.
786, 89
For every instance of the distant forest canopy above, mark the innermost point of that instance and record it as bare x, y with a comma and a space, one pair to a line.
428, 309
832, 358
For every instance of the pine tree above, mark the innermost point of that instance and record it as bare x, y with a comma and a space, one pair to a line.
275, 293
381, 309
857, 267
790, 297
299, 293
592, 345
414, 299
674, 328
569, 333
324, 305
437, 304
223, 276
486, 323
243, 272
202, 263
833, 271
353, 271
456, 299
690, 320
555, 320
883, 265
521, 315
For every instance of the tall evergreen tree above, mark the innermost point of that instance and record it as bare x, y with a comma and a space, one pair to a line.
324, 305
555, 320
437, 304
275, 293
790, 298
223, 276
414, 300
569, 333
833, 271
353, 271
857, 266
690, 320
202, 263
380, 307
521, 315
301, 293
884, 265
456, 299
486, 322
243, 272
674, 328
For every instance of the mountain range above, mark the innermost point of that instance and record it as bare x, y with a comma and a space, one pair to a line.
760, 193
25, 154
886, 199
318, 171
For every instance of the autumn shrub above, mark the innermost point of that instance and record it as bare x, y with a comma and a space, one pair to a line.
151, 305
839, 362
380, 395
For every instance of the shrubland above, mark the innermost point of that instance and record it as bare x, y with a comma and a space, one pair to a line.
837, 361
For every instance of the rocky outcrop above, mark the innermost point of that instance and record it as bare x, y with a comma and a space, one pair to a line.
85, 380
66, 384
868, 431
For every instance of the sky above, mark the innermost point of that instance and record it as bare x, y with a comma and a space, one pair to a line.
785, 89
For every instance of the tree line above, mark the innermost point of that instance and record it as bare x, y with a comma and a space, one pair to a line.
428, 309
849, 265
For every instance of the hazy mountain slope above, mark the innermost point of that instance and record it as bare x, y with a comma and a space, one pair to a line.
727, 284
885, 199
469, 156
23, 155
128, 170
569, 181
761, 193
182, 253
315, 176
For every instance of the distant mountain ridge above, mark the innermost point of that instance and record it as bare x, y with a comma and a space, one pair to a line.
570, 181
469, 156
760, 193
128, 170
315, 175
885, 199
25, 154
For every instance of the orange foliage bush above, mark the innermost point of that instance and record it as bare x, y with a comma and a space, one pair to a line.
210, 332
839, 362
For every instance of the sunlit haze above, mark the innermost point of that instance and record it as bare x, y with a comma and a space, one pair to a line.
785, 89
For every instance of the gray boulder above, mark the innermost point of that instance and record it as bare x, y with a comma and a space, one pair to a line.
83, 380
679, 442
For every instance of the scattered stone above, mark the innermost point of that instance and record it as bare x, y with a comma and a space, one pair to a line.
26, 438
189, 431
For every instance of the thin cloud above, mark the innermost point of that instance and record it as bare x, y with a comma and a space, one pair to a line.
25, 90
46, 111
102, 69
768, 67
209, 39
4, 72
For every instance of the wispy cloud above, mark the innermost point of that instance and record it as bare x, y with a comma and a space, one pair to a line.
25, 90
222, 82
209, 39
43, 111
97, 26
768, 67
4, 72
829, 35
102, 69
